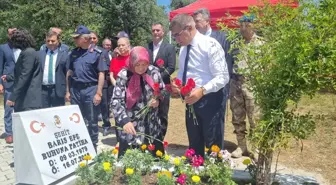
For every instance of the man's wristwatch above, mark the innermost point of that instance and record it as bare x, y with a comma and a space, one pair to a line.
203, 90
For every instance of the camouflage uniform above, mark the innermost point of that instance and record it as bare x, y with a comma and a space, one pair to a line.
241, 104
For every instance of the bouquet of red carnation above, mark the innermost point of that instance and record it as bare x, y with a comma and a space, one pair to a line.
185, 91
157, 95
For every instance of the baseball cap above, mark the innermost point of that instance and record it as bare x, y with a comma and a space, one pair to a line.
80, 31
122, 34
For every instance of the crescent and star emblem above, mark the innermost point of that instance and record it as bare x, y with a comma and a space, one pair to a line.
33, 127
75, 118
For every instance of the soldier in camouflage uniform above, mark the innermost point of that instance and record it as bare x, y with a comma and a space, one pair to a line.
241, 98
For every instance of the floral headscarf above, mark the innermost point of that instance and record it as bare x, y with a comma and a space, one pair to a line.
133, 92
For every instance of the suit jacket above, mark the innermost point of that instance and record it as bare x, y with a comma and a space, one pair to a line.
7, 63
221, 38
61, 68
167, 53
27, 88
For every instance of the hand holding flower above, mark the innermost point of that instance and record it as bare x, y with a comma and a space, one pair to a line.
194, 96
129, 128
153, 103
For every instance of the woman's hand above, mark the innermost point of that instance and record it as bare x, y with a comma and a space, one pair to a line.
153, 103
129, 128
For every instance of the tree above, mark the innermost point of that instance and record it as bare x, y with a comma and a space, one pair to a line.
37, 16
297, 58
132, 16
176, 4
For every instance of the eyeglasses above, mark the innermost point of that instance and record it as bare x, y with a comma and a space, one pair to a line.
178, 34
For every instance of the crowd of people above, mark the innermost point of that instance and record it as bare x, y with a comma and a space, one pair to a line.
120, 82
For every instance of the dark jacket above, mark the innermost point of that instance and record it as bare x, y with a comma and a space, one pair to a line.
221, 38
61, 68
27, 88
7, 63
168, 54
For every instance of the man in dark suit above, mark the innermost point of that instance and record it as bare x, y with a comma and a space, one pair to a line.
8, 57
158, 49
27, 77
59, 32
104, 105
202, 20
54, 59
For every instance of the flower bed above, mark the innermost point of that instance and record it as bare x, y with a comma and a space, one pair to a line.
140, 166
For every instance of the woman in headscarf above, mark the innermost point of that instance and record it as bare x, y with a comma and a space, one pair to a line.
133, 91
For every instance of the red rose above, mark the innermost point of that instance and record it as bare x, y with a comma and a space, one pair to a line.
160, 63
165, 144
151, 147
177, 82
191, 83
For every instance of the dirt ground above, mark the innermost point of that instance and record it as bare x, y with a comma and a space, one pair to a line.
318, 151
317, 155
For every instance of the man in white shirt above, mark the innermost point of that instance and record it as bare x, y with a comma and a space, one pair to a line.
158, 49
202, 20
107, 45
201, 58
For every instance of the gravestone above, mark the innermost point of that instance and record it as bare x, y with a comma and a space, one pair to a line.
49, 144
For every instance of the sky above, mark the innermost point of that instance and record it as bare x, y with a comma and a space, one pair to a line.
165, 3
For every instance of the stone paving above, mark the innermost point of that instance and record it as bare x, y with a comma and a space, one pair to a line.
7, 174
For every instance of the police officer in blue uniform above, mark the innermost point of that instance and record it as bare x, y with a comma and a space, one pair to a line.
85, 79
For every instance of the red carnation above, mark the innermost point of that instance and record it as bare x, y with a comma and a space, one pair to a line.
191, 83
185, 90
177, 82
156, 93
169, 88
156, 87
151, 147
160, 63
165, 144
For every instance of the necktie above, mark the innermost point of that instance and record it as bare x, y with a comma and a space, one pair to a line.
184, 77
50, 69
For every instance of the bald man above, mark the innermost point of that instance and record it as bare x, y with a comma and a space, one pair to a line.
107, 45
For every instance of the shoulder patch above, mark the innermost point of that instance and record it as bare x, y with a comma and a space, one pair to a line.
98, 50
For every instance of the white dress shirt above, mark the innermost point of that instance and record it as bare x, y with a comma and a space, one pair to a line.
208, 32
110, 55
16, 52
205, 64
156, 49
46, 67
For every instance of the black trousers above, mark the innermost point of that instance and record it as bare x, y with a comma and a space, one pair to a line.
209, 129
104, 107
163, 114
50, 98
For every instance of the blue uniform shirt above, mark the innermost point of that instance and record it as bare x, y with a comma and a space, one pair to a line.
86, 65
